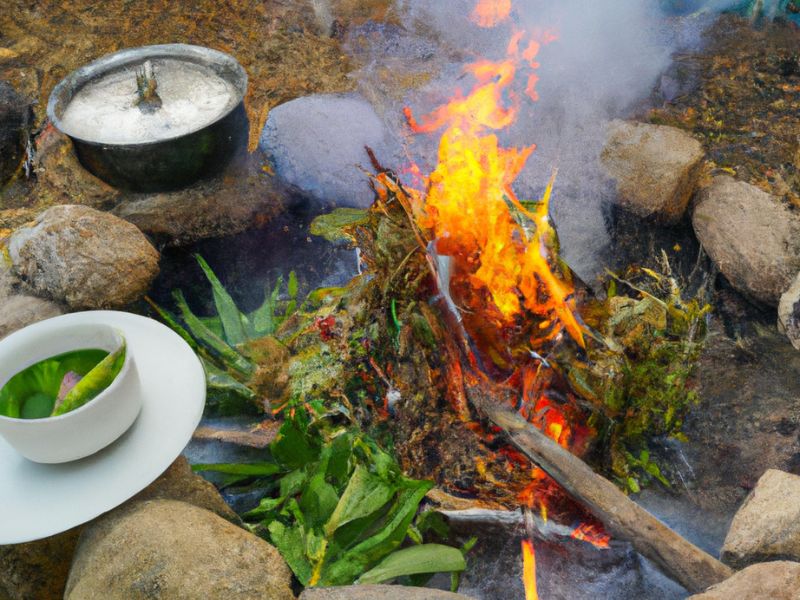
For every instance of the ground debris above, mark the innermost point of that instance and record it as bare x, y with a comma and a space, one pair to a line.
746, 106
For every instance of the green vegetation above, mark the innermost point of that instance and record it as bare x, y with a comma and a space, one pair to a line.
340, 510
224, 341
640, 376
337, 506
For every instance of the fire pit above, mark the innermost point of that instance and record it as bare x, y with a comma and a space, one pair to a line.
153, 118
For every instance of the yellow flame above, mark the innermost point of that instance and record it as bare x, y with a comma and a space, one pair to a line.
529, 570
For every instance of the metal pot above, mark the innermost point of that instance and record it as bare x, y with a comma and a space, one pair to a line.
166, 164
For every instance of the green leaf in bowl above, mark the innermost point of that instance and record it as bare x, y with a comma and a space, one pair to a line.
32, 392
94, 382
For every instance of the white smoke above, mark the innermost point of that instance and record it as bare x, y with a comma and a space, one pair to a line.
607, 60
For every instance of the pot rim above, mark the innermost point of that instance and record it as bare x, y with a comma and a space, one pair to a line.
224, 64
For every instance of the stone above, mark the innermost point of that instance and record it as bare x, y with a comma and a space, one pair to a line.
655, 167
20, 311
317, 146
15, 122
20, 308
779, 580
789, 313
179, 482
767, 526
243, 197
37, 570
378, 592
164, 549
750, 236
83, 257
40, 569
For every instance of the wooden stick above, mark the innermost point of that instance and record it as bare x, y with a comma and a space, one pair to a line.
678, 558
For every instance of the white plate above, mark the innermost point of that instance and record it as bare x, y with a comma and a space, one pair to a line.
38, 500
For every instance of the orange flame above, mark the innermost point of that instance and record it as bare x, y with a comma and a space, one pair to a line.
505, 276
529, 570
592, 534
489, 13
470, 208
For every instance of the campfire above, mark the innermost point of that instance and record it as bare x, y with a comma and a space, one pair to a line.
495, 258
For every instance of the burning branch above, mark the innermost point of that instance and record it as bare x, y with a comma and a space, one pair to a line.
684, 562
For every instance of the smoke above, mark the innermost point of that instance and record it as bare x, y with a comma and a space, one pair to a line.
606, 63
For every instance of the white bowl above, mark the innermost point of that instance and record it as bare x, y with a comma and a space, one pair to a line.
86, 429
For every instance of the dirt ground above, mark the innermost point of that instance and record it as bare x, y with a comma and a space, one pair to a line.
741, 95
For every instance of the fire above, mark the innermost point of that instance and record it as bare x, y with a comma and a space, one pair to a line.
489, 13
502, 248
591, 534
529, 570
504, 280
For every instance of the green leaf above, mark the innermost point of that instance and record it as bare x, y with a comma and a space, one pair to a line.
333, 226
290, 542
217, 379
318, 500
291, 288
266, 509
292, 447
366, 553
365, 493
261, 469
293, 482
229, 313
425, 558
264, 318
94, 382
172, 323
433, 521
322, 295
214, 324
210, 339
341, 451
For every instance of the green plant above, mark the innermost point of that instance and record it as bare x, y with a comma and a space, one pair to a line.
221, 340
339, 508
642, 375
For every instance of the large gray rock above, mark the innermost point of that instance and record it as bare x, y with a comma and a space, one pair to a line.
317, 145
789, 313
378, 592
244, 196
778, 580
767, 526
655, 168
750, 236
19, 308
84, 258
163, 549
15, 120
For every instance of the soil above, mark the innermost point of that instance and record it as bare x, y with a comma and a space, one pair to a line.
741, 96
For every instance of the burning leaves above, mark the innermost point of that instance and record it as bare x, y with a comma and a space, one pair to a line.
504, 253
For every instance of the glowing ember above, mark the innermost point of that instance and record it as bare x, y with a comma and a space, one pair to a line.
529, 570
592, 534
